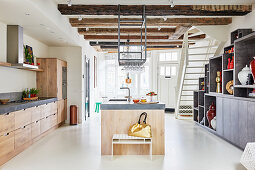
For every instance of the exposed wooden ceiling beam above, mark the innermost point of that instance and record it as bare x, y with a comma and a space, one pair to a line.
180, 30
125, 31
110, 22
134, 37
116, 47
103, 43
157, 10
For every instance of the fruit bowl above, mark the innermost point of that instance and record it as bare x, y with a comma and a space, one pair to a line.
136, 100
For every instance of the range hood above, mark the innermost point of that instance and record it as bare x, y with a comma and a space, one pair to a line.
15, 49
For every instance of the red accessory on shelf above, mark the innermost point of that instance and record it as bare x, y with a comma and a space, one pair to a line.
229, 61
252, 65
211, 113
231, 66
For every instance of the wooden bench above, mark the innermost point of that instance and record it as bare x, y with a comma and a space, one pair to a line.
131, 140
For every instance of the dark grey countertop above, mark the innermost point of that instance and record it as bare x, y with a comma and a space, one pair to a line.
124, 105
12, 107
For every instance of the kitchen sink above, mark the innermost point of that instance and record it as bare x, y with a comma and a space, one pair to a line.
118, 100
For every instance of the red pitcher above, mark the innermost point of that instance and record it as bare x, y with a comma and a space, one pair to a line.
211, 113
252, 65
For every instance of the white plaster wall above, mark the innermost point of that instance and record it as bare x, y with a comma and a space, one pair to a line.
73, 56
14, 80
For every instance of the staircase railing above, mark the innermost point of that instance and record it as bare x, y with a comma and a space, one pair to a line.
181, 72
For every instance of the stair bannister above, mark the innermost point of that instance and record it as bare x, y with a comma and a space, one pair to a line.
181, 73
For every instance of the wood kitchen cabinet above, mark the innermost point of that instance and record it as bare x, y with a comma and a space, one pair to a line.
62, 110
19, 129
52, 80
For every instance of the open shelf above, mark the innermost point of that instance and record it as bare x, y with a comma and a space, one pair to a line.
9, 65
208, 101
215, 65
227, 76
201, 95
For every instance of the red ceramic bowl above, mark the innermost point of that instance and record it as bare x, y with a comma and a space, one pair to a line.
136, 100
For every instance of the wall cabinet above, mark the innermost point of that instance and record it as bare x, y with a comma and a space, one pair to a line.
18, 129
235, 120
51, 81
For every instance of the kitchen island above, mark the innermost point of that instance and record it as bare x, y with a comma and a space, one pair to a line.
118, 116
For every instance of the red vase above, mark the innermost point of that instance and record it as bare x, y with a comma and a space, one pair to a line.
252, 65
232, 63
211, 113
229, 60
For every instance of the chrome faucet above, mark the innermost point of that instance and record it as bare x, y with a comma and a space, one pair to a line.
129, 97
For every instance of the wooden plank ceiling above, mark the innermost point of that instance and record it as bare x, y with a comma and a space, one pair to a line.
165, 25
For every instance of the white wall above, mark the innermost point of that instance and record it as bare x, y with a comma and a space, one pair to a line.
73, 56
14, 80
247, 21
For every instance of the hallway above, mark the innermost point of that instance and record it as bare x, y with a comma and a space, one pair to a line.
188, 147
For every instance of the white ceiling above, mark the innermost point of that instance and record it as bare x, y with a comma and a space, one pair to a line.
159, 2
47, 26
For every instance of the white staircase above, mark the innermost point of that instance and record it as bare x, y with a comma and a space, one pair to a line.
194, 57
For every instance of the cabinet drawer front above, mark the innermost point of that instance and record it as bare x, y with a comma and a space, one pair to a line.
6, 143
7, 123
36, 129
23, 118
54, 120
45, 124
43, 110
51, 108
36, 114
22, 136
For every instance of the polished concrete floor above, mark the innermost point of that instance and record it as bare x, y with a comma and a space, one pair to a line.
188, 147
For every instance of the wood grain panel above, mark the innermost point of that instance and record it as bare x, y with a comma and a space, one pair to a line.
251, 121
119, 121
53, 120
45, 124
7, 123
61, 110
22, 136
220, 114
243, 123
234, 109
36, 114
227, 119
131, 149
36, 129
23, 118
6, 144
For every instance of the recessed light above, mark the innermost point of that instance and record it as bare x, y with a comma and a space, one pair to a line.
69, 3
165, 18
178, 46
80, 18
87, 29
159, 28
172, 3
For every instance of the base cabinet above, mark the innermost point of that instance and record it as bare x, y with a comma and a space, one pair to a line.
18, 129
6, 144
23, 136
235, 120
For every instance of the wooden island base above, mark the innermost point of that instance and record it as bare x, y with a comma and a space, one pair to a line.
119, 121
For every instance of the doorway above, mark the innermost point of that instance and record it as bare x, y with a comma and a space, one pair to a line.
87, 87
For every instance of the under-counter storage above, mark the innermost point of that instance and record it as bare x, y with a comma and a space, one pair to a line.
53, 120
6, 143
7, 123
61, 111
23, 117
236, 120
51, 108
23, 136
36, 129
36, 114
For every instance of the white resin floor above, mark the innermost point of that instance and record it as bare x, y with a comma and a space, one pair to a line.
188, 147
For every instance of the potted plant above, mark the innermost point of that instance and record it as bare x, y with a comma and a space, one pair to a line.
34, 92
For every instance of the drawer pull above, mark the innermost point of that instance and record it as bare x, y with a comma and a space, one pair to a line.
37, 121
7, 114
7, 134
24, 127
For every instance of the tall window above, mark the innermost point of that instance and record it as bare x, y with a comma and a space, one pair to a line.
168, 57
115, 78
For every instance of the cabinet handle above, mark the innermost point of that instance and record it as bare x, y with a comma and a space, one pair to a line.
7, 134
24, 127
7, 114
37, 121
